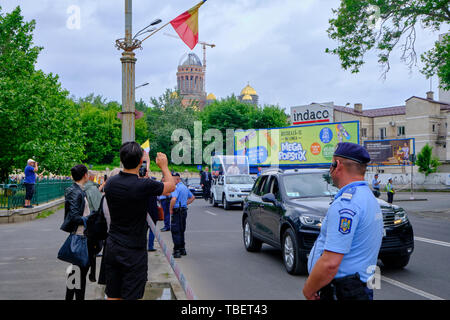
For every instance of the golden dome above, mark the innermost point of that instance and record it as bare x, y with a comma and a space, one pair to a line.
174, 95
247, 97
248, 90
211, 96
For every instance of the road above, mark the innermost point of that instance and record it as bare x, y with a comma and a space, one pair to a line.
218, 266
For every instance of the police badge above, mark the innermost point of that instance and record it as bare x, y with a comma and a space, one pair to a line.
345, 225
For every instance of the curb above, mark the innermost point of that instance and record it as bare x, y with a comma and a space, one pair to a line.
27, 214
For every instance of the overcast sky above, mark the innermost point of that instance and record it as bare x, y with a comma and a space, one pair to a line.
276, 46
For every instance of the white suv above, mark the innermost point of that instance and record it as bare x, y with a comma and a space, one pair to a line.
230, 190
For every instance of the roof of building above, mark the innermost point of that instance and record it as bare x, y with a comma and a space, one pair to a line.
247, 97
191, 60
211, 96
248, 90
372, 113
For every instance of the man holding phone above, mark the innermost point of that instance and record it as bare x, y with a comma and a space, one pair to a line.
30, 181
126, 257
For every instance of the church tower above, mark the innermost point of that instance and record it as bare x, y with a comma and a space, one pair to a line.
190, 80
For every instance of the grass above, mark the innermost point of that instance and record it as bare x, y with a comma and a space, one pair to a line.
47, 213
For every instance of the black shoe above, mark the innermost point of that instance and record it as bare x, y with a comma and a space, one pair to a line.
183, 252
177, 254
92, 277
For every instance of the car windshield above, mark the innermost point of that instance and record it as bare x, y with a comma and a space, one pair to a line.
308, 185
239, 180
193, 181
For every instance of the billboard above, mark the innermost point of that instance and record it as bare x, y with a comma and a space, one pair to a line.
307, 145
312, 113
394, 152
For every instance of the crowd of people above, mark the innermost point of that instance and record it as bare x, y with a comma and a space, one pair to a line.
131, 200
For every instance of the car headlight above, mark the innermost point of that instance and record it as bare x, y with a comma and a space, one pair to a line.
400, 217
233, 189
311, 221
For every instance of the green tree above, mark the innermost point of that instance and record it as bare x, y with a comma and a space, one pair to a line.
354, 28
426, 162
165, 115
37, 119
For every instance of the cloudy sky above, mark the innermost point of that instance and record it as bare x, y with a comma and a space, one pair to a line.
276, 46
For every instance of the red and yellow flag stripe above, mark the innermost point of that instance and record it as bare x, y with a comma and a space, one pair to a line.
186, 25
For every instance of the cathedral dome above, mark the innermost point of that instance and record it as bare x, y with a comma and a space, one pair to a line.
211, 96
248, 90
247, 97
190, 59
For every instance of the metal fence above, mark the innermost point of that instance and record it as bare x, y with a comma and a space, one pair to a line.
13, 195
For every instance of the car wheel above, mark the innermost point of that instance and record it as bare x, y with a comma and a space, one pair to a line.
213, 200
396, 262
251, 243
291, 255
226, 204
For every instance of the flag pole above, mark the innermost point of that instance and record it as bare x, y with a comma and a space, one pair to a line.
155, 32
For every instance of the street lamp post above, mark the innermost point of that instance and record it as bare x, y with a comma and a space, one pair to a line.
128, 60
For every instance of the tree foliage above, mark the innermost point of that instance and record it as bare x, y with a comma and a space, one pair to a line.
426, 162
356, 31
37, 119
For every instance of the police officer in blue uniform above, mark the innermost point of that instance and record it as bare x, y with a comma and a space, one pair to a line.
181, 198
345, 254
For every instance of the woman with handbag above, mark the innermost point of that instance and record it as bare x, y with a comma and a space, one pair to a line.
75, 249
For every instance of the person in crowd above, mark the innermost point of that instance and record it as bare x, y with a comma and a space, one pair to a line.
126, 256
341, 260
205, 182
76, 210
376, 186
30, 181
181, 198
233, 169
165, 204
390, 191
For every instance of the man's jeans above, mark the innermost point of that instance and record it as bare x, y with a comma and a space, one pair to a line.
165, 204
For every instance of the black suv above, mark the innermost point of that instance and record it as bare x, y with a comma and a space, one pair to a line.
286, 210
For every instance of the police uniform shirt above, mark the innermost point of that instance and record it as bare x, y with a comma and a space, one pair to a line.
353, 226
375, 184
182, 194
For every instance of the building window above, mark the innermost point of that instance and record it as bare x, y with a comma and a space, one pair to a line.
434, 127
364, 132
401, 131
382, 133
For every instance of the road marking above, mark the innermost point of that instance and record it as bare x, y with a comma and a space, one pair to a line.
411, 289
440, 243
214, 214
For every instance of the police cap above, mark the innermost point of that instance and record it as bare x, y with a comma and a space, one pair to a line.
175, 174
352, 151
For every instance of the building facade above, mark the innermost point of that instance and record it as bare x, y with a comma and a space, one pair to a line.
190, 81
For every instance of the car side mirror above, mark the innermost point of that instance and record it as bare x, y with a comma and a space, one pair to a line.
269, 197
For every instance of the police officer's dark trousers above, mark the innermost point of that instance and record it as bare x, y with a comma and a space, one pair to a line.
346, 288
178, 227
165, 204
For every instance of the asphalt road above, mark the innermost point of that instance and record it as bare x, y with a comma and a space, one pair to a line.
218, 266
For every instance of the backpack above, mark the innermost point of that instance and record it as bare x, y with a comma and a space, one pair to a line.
97, 228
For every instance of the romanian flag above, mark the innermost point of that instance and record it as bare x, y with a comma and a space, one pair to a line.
186, 25
146, 146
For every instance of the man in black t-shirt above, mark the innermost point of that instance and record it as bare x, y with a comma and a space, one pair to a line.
126, 259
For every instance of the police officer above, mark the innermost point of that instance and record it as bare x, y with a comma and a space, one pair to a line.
345, 254
376, 186
181, 198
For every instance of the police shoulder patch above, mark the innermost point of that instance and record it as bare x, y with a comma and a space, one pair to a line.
345, 225
347, 211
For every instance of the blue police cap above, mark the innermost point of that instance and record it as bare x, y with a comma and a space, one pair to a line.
352, 151
175, 174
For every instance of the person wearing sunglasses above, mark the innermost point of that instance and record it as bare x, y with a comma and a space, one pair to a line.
343, 259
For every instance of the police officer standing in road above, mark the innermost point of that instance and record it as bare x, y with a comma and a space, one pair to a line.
376, 186
345, 254
181, 198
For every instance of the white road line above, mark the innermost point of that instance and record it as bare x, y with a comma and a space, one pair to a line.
440, 243
411, 289
214, 214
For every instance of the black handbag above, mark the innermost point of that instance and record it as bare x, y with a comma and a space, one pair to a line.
97, 228
75, 250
